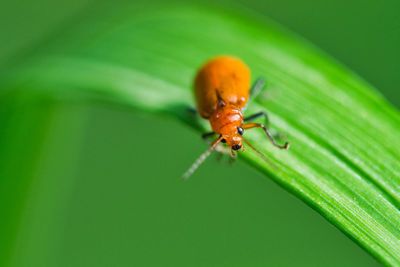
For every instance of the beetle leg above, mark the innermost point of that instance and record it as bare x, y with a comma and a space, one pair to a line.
223, 149
255, 90
206, 135
191, 110
259, 125
257, 87
259, 114
190, 115
218, 155
232, 158
276, 135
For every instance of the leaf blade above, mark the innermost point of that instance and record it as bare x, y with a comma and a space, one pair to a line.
343, 158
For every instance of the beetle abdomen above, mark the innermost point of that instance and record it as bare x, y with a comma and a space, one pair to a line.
227, 75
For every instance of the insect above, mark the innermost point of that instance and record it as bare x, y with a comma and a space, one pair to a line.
222, 89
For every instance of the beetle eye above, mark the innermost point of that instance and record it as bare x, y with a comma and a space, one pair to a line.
240, 130
223, 141
236, 147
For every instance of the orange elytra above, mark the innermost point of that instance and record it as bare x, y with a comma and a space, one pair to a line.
222, 90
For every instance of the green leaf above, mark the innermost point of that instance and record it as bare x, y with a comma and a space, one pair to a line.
344, 156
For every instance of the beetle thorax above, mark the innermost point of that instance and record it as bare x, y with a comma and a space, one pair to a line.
226, 119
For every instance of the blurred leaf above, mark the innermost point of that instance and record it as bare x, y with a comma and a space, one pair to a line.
343, 161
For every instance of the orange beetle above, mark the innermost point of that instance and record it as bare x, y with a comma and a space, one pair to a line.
222, 89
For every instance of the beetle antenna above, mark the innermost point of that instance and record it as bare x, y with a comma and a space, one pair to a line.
201, 159
259, 153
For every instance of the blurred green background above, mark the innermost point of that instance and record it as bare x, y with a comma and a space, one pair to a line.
107, 190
